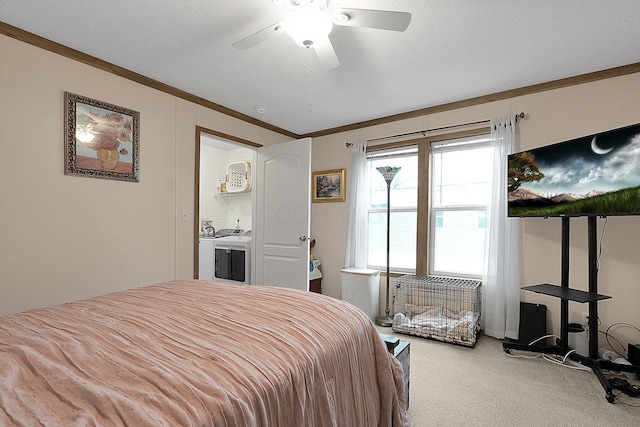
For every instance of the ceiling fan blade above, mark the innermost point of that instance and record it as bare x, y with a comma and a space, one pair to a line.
257, 38
371, 18
326, 55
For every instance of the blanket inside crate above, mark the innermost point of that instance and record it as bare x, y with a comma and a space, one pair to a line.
438, 322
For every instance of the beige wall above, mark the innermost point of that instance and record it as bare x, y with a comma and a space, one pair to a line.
67, 237
552, 116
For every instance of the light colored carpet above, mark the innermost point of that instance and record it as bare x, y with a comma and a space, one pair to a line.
452, 385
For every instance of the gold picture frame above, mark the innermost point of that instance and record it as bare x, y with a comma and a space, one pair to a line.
101, 140
329, 185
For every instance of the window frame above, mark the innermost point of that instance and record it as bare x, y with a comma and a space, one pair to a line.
471, 142
393, 152
424, 179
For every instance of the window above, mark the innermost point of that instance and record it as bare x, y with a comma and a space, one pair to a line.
460, 191
450, 208
404, 201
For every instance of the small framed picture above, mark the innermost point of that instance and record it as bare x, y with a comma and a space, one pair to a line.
329, 186
101, 140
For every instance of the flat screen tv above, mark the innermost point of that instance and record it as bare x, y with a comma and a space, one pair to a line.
596, 175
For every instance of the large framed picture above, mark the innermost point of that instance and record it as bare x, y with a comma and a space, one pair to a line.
101, 140
329, 186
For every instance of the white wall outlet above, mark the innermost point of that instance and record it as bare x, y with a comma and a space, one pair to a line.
585, 318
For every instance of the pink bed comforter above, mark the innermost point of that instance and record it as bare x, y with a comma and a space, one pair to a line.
195, 353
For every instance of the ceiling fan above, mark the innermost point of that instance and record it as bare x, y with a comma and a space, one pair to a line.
309, 23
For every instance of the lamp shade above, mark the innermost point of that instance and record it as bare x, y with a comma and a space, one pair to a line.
388, 172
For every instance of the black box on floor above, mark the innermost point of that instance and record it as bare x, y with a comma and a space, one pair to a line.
391, 341
533, 323
633, 354
401, 352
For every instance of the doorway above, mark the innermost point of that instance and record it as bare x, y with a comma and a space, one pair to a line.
218, 211
280, 200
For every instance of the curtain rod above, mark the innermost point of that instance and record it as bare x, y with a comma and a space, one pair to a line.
423, 132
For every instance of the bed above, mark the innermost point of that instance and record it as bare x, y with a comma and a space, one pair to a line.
198, 353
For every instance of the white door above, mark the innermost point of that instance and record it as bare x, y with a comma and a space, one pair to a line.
282, 215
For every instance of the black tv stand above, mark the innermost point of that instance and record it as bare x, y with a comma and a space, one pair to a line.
592, 297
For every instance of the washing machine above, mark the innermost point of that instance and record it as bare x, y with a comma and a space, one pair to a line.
232, 258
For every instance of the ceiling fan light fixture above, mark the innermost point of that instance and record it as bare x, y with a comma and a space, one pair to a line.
297, 3
308, 24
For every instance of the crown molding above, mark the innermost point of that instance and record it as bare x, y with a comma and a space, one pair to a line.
41, 42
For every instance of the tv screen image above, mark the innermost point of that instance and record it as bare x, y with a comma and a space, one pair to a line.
596, 175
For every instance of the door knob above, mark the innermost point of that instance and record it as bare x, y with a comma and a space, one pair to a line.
303, 238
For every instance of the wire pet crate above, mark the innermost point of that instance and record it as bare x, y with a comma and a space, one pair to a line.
441, 308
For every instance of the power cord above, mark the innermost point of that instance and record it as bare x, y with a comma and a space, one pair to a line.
607, 334
606, 219
550, 358
522, 356
564, 363
542, 338
623, 401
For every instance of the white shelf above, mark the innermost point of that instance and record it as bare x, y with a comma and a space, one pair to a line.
228, 198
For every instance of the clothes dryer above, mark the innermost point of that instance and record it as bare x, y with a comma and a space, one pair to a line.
232, 259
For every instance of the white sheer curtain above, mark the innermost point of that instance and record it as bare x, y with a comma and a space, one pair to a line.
358, 199
501, 278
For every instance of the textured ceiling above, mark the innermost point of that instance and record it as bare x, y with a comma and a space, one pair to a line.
453, 50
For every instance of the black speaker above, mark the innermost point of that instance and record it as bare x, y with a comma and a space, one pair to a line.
533, 324
633, 353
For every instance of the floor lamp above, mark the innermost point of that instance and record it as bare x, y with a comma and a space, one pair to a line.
388, 173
